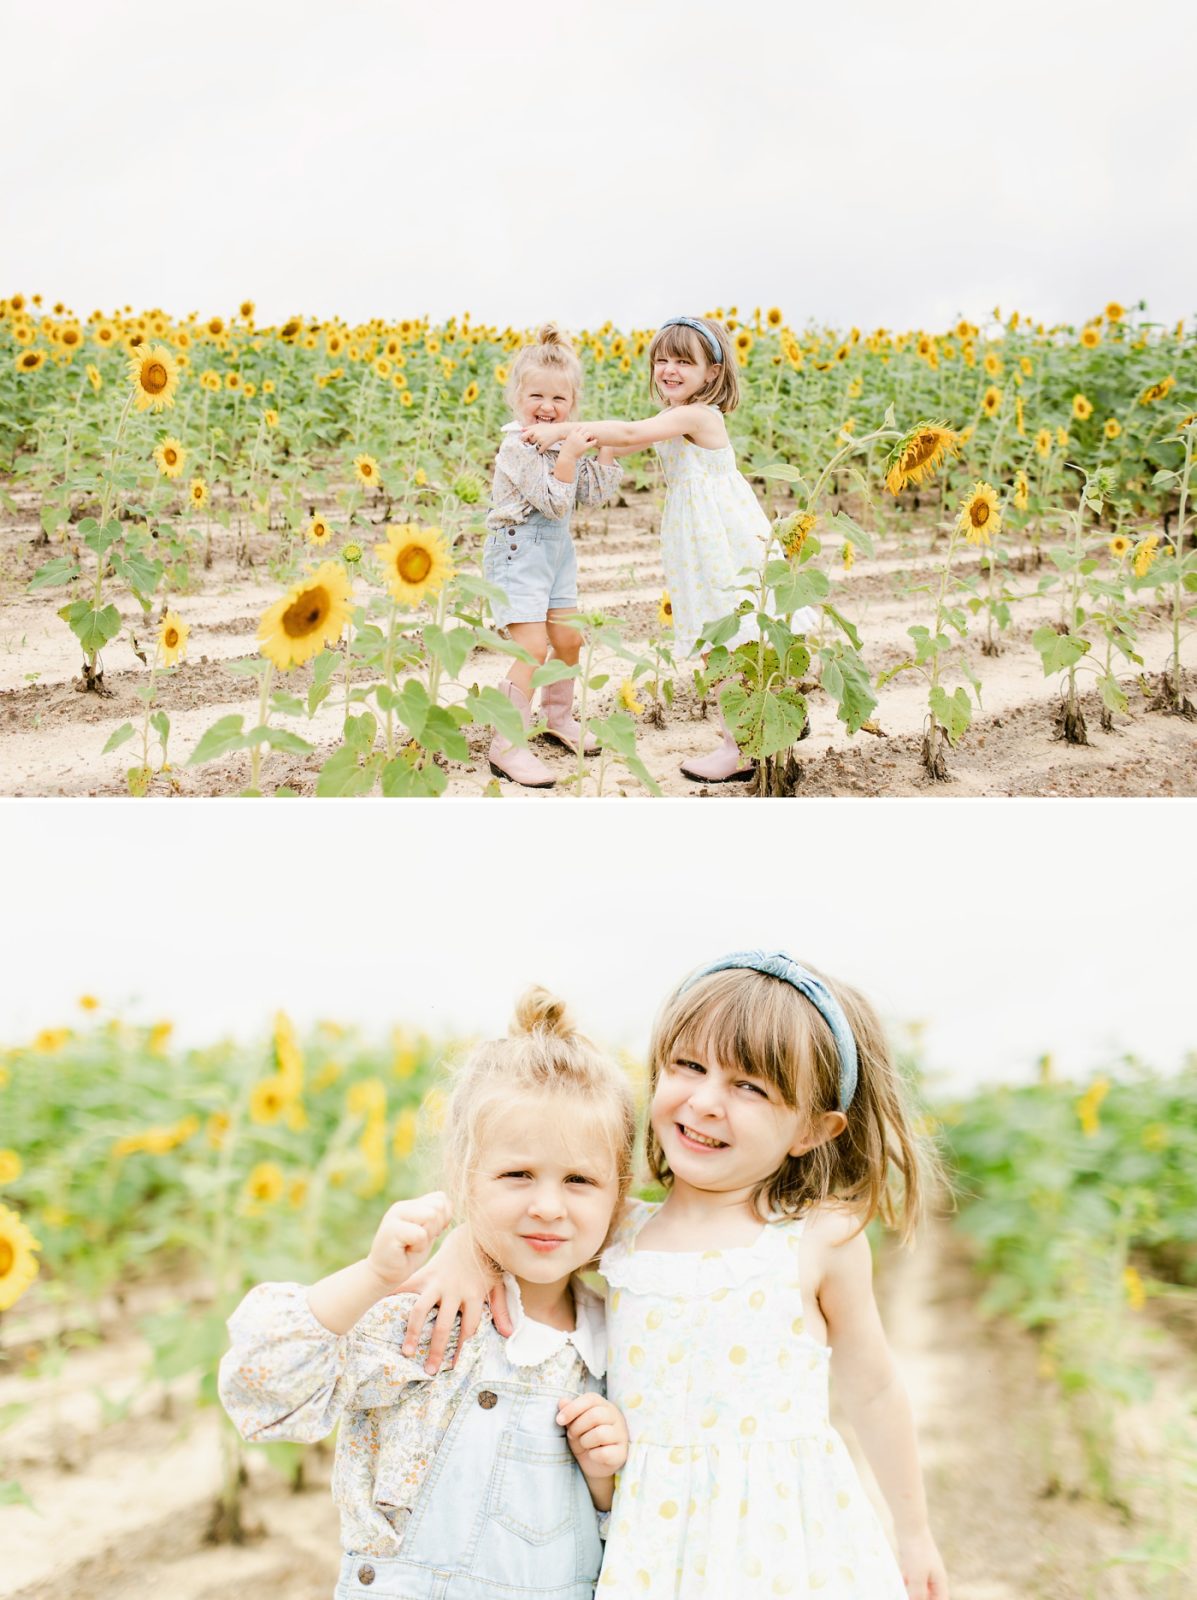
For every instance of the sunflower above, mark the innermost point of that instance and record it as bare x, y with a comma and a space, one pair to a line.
1043, 442
172, 638
70, 337
309, 616
268, 386
271, 418
1022, 490
848, 555
269, 1099
30, 360
979, 515
773, 316
744, 341
1082, 409
170, 456
215, 326
993, 364
1112, 428
249, 390
10, 1166
155, 377
916, 456
628, 700
992, 401
1156, 391
1090, 337
366, 469
93, 376
1145, 554
1118, 546
665, 611
382, 367
470, 395
18, 1264
104, 334
318, 531
265, 1183
1114, 312
232, 380
1062, 438
406, 397
246, 309
198, 493
416, 561
1186, 422
1026, 366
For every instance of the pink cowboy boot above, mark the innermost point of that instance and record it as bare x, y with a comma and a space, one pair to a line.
557, 703
724, 765
511, 761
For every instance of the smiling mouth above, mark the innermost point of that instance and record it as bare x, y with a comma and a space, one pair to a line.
700, 1138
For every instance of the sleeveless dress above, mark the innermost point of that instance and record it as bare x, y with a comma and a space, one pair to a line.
736, 1485
712, 527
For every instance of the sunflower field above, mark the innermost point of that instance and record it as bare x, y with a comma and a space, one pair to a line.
254, 551
144, 1188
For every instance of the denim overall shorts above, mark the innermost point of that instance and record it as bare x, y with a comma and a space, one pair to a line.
504, 1513
534, 563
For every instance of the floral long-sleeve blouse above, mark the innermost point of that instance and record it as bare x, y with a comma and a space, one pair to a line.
524, 483
287, 1376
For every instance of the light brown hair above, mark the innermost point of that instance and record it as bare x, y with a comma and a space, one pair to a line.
544, 1059
552, 352
762, 1026
680, 342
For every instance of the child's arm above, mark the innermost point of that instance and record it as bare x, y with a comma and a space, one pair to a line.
453, 1282
401, 1246
868, 1387
598, 1437
628, 436
598, 478
537, 480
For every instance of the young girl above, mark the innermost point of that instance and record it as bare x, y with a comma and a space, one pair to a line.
467, 1485
529, 553
776, 1122
712, 526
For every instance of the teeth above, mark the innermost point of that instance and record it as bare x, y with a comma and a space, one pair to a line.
701, 1138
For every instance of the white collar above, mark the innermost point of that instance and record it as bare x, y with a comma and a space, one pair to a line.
533, 1342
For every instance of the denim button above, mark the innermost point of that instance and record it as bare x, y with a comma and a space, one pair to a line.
365, 1574
488, 1398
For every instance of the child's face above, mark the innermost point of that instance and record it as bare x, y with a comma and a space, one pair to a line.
539, 1207
720, 1129
679, 378
545, 396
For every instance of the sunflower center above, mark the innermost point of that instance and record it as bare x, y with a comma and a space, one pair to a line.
306, 614
171, 456
171, 638
980, 514
921, 450
7, 1257
414, 564
153, 377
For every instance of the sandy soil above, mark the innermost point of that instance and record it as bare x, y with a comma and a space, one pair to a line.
52, 737
126, 1506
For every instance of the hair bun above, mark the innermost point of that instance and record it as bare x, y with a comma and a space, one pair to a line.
550, 333
537, 1010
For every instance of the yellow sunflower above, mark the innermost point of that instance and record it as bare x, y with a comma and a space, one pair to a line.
172, 638
1118, 546
628, 700
104, 334
11, 1166
155, 377
1156, 391
991, 403
917, 456
311, 615
416, 561
979, 515
665, 611
265, 1183
170, 456
246, 309
470, 395
993, 364
773, 316
271, 418
1043, 442
18, 1264
198, 493
1082, 409
1112, 428
1090, 338
1145, 554
269, 1098
1114, 312
366, 469
1022, 490
30, 360
318, 531
93, 376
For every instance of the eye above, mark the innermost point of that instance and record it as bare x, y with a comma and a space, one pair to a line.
515, 1175
682, 1065
755, 1087
578, 1177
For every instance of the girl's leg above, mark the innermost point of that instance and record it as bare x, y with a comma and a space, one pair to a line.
557, 699
723, 765
514, 761
534, 638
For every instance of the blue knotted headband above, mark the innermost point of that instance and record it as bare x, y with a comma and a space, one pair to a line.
699, 327
776, 964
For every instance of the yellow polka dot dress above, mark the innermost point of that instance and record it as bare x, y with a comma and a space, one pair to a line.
712, 528
736, 1485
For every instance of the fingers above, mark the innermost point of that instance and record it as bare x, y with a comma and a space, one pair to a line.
577, 1404
499, 1311
416, 1319
446, 1319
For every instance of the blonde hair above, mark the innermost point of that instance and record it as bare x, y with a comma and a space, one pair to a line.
682, 343
552, 352
764, 1027
543, 1057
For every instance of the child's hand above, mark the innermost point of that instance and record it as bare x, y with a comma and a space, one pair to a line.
543, 434
597, 1434
405, 1237
922, 1567
578, 440
452, 1283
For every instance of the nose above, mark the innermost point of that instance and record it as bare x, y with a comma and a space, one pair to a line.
707, 1097
546, 1201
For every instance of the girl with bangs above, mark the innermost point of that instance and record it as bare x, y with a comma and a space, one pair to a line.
712, 526
778, 1128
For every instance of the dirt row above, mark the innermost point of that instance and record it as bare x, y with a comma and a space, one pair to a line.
53, 737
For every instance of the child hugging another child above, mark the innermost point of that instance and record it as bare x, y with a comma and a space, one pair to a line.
489, 1479
529, 553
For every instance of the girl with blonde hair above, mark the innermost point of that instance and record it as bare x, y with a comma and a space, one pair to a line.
490, 1477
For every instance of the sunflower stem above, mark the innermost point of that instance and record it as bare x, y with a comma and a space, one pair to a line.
255, 755
389, 674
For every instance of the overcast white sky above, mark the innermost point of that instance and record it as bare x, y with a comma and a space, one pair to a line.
868, 163
1007, 927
